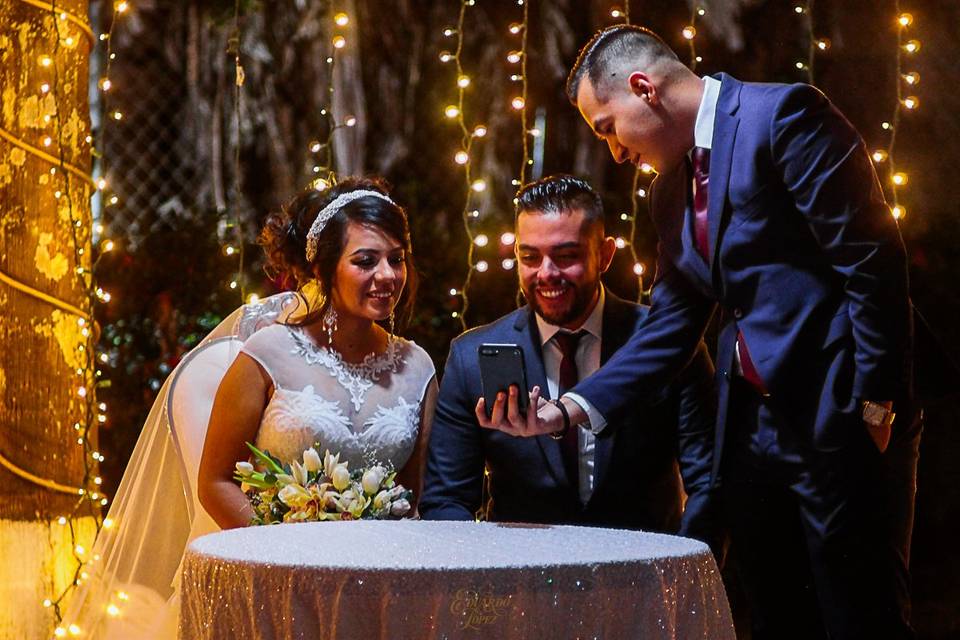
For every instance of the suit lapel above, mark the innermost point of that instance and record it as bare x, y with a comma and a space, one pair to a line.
721, 153
528, 339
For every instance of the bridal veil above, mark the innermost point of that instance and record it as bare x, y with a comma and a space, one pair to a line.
129, 588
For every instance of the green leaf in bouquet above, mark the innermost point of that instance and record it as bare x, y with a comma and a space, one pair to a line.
257, 480
271, 463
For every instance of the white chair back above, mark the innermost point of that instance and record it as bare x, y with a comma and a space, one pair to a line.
190, 401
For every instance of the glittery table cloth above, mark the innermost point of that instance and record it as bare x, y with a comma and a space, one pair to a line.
414, 579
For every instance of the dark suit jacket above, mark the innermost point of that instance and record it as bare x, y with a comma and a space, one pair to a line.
636, 481
806, 261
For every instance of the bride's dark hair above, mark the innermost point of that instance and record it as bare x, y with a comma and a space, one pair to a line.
284, 240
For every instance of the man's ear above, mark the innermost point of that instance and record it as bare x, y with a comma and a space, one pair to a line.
643, 87
608, 249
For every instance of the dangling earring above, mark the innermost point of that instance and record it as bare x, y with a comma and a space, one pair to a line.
391, 324
330, 324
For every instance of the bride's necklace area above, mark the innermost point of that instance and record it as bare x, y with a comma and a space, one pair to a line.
356, 378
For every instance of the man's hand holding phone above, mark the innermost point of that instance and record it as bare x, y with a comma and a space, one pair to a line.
506, 416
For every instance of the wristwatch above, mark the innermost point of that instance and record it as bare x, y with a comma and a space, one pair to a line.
877, 415
558, 435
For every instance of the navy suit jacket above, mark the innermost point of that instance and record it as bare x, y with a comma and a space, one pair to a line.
636, 481
805, 259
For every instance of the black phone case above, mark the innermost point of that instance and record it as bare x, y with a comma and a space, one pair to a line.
500, 366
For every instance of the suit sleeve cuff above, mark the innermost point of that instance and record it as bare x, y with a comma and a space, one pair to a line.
596, 421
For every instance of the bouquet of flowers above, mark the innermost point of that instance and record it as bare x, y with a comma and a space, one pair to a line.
319, 489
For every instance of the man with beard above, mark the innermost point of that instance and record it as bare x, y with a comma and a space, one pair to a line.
626, 477
768, 209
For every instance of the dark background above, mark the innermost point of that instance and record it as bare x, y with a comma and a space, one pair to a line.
169, 279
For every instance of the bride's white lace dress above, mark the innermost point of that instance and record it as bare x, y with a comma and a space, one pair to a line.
367, 412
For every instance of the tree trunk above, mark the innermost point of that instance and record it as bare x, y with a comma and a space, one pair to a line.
46, 377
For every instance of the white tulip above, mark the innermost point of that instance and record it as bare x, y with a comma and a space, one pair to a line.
299, 472
244, 467
330, 463
372, 478
311, 460
340, 477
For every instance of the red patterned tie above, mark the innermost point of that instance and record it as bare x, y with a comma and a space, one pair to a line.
701, 184
568, 378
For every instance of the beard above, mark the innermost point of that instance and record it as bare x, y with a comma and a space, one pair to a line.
571, 305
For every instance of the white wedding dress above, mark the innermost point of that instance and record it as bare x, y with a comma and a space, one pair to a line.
370, 412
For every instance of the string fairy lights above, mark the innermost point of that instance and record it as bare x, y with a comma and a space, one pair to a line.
521, 104
689, 33
906, 82
321, 150
815, 45
641, 175
462, 157
90, 493
233, 47
64, 180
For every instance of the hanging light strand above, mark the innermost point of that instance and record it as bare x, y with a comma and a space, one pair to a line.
236, 39
896, 179
322, 150
463, 158
90, 500
525, 161
635, 190
811, 41
689, 33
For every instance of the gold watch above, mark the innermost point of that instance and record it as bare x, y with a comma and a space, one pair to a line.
877, 415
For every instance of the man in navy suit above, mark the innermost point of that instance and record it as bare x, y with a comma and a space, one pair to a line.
625, 478
767, 208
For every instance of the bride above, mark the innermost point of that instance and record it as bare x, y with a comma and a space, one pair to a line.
320, 365
336, 376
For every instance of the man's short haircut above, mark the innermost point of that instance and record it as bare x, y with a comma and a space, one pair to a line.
600, 59
561, 193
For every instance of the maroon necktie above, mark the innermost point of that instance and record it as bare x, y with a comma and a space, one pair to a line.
568, 378
701, 184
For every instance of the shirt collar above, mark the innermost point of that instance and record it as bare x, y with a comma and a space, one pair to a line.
707, 113
592, 325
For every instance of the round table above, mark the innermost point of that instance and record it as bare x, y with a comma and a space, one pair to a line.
417, 579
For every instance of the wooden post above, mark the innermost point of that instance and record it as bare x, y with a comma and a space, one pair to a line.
47, 382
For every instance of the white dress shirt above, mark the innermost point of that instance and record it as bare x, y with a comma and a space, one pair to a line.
588, 361
706, 114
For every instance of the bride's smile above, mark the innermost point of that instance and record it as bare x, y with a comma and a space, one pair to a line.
371, 273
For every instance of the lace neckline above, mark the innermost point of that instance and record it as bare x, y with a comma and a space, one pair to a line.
355, 378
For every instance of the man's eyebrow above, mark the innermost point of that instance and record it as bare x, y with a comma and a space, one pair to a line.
556, 247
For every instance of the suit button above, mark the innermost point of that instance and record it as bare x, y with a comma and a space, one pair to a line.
738, 313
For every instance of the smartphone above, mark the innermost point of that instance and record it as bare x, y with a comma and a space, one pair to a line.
501, 365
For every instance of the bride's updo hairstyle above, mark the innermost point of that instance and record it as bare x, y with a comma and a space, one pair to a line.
284, 240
